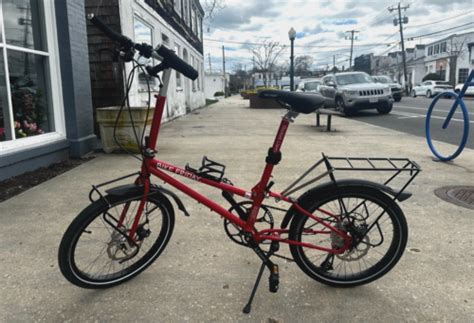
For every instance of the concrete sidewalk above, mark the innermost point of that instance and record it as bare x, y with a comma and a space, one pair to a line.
202, 275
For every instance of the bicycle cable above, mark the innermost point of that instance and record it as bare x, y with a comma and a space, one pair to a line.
126, 102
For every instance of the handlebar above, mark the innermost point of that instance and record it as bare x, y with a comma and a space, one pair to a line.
169, 58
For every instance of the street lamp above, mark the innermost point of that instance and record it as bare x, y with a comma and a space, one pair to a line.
292, 36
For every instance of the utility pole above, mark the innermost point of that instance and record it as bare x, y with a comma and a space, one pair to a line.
210, 65
400, 22
253, 71
223, 69
352, 32
334, 62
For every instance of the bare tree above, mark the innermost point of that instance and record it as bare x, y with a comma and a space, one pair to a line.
303, 65
265, 56
455, 49
211, 7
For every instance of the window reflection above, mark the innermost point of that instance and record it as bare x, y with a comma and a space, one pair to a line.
23, 25
143, 34
5, 133
31, 110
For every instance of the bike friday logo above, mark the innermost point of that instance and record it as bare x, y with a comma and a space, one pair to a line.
178, 171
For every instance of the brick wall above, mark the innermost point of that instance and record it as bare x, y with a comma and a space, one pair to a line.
106, 76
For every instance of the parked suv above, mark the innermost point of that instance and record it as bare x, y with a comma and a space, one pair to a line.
352, 91
395, 87
431, 88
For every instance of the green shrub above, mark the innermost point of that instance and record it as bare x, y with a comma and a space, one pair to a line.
209, 101
219, 93
431, 77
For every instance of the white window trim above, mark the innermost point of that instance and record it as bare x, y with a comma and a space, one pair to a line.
53, 66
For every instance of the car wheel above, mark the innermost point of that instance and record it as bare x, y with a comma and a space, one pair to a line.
413, 93
398, 99
457, 91
428, 94
341, 107
384, 109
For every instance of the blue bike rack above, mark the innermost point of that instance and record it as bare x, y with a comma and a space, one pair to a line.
457, 101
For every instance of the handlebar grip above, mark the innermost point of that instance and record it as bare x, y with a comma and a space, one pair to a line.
176, 63
123, 40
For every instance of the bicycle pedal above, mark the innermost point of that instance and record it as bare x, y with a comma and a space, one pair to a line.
274, 279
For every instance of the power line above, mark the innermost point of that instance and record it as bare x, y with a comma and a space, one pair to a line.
439, 31
442, 20
301, 46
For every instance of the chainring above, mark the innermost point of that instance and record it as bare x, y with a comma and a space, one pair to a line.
236, 234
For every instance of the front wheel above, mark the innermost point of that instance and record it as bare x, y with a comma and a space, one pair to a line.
359, 211
384, 109
96, 251
341, 107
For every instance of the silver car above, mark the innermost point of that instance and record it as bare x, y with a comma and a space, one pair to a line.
353, 91
397, 90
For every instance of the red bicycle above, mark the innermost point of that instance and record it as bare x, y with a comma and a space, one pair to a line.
342, 233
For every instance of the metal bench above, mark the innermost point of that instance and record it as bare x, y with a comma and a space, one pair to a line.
329, 113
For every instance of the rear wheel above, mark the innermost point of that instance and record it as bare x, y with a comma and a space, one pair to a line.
96, 251
356, 209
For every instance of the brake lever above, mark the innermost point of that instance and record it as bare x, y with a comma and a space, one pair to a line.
127, 54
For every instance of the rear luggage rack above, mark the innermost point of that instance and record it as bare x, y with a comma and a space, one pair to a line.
374, 164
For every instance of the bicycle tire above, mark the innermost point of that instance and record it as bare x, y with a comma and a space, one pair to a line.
317, 198
465, 135
67, 254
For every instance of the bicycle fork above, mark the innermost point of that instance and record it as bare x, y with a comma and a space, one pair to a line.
274, 277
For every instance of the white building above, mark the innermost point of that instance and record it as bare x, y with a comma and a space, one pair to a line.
174, 23
214, 82
451, 57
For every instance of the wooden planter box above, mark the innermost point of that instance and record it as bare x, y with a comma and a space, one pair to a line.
125, 136
259, 103
246, 95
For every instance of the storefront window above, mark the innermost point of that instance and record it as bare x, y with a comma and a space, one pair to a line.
23, 24
29, 95
25, 110
5, 133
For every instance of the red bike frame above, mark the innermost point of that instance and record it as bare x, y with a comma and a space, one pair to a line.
257, 194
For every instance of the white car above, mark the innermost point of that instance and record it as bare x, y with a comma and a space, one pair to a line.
309, 85
431, 88
469, 90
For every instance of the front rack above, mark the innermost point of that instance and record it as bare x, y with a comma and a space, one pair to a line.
378, 164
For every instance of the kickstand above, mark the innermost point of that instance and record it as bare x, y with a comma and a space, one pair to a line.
274, 275
248, 307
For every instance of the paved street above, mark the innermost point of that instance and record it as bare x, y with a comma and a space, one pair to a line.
409, 116
202, 276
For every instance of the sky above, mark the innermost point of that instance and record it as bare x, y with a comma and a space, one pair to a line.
321, 27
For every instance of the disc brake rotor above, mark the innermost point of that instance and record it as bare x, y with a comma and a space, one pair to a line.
357, 252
